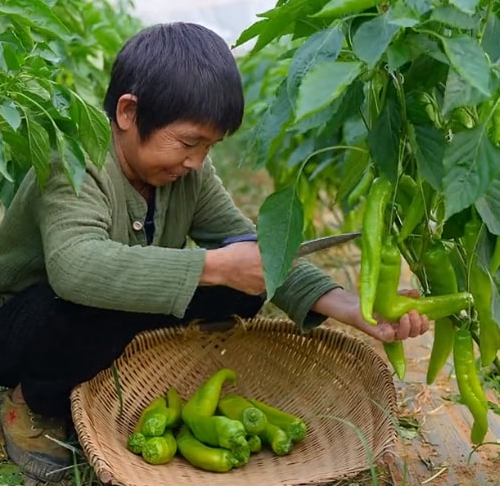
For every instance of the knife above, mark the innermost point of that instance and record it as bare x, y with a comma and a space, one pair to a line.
307, 247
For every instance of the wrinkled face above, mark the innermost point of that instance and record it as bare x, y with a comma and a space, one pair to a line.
168, 154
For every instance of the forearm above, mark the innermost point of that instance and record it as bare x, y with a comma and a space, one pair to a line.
214, 268
110, 275
340, 305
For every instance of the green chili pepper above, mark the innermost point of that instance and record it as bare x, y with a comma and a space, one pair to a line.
442, 280
157, 403
406, 191
495, 258
396, 355
495, 132
155, 420
416, 211
339, 8
361, 188
481, 288
160, 414
294, 427
469, 385
239, 408
202, 456
255, 443
220, 431
160, 450
135, 442
463, 116
371, 244
204, 401
174, 409
277, 439
392, 306
165, 414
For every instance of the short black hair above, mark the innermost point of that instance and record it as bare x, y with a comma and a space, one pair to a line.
178, 72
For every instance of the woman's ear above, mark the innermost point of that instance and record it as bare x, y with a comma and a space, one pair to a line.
126, 111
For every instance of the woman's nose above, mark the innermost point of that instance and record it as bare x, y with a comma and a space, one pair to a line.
195, 160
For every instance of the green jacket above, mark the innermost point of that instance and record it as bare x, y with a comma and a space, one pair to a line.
92, 248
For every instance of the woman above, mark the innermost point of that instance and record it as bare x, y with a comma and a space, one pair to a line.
81, 275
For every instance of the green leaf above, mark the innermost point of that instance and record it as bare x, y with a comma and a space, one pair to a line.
9, 113
279, 227
301, 152
428, 145
279, 21
363, 43
398, 53
320, 47
37, 14
420, 6
471, 162
337, 8
272, 125
11, 58
490, 38
273, 29
108, 36
61, 102
335, 114
39, 147
35, 87
384, 137
427, 46
72, 159
94, 132
401, 14
3, 63
449, 15
345, 106
3, 163
488, 206
458, 92
323, 84
467, 6
355, 164
469, 60
253, 31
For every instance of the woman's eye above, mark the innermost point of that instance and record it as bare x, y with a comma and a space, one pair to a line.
189, 145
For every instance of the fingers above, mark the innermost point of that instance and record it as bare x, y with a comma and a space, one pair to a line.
384, 331
411, 325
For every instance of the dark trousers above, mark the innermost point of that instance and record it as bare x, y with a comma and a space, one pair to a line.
49, 345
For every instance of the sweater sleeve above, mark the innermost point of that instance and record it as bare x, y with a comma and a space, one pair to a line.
303, 287
216, 216
85, 266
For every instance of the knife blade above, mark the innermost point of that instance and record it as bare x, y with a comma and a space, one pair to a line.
325, 242
307, 247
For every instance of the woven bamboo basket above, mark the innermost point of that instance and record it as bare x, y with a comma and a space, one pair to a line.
336, 383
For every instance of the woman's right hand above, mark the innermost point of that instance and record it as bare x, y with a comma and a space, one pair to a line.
238, 266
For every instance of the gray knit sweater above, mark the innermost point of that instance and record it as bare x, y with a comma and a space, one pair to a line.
92, 249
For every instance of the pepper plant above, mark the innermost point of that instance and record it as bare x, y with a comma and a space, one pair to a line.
406, 91
55, 57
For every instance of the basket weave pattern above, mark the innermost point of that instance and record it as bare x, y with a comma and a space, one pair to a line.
336, 383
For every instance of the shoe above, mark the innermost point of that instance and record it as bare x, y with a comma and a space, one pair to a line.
28, 444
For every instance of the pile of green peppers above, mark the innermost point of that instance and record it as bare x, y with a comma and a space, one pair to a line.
382, 243
212, 431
